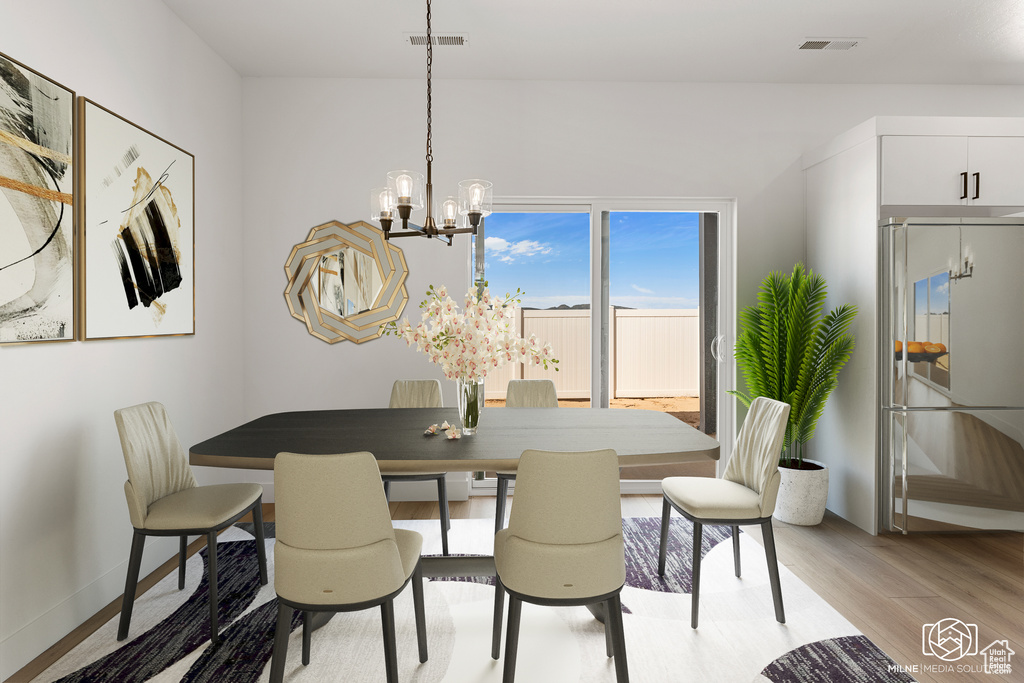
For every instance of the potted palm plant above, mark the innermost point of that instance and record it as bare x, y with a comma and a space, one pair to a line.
790, 350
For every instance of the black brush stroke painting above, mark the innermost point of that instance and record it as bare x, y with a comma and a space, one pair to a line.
154, 268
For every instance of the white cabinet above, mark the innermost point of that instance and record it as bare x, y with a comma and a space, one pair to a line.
851, 182
997, 170
948, 170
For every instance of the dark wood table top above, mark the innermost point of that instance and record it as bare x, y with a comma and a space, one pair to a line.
395, 437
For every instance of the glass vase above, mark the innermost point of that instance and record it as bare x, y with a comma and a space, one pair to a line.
471, 402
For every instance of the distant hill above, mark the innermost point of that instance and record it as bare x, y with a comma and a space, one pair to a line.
567, 307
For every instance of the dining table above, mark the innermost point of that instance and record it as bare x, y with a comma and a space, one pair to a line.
397, 439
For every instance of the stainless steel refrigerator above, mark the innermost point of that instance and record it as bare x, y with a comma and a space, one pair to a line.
951, 370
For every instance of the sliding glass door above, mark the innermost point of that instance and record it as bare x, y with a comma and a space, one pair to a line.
630, 294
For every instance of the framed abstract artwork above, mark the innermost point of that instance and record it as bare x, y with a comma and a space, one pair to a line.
138, 230
37, 235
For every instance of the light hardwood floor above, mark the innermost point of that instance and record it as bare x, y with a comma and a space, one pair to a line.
888, 586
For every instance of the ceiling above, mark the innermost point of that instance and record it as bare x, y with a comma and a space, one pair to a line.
748, 41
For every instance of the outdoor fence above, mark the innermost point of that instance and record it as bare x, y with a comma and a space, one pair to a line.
654, 352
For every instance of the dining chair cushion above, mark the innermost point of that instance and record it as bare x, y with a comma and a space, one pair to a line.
335, 542
153, 456
531, 393
707, 498
416, 393
558, 571
564, 536
202, 507
755, 461
345, 576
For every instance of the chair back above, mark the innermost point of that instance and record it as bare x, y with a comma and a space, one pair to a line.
531, 393
335, 542
416, 393
153, 456
755, 462
566, 497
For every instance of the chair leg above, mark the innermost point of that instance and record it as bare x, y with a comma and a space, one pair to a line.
421, 619
515, 610
773, 569
211, 554
502, 497
666, 512
499, 607
307, 636
130, 583
387, 615
736, 549
182, 550
261, 546
442, 502
609, 646
281, 633
614, 624
698, 539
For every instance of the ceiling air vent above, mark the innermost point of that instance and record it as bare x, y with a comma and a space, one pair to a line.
452, 39
829, 43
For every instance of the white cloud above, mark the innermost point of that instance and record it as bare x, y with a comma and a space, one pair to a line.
642, 290
943, 288
495, 244
508, 252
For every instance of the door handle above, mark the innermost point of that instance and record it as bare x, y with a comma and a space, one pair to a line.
963, 177
977, 186
716, 347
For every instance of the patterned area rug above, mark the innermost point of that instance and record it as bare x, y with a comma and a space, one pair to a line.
738, 638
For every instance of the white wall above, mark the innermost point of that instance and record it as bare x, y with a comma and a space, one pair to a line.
64, 530
315, 147
842, 194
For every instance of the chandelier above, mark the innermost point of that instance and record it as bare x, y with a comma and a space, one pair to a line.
405, 192
964, 267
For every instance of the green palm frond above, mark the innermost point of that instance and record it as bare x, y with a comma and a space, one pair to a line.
790, 350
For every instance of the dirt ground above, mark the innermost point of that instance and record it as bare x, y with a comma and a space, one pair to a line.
686, 408
668, 404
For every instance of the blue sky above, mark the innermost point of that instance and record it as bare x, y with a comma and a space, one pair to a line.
653, 258
938, 286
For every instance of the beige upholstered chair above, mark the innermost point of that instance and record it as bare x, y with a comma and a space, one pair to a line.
421, 393
336, 550
164, 500
744, 495
563, 546
522, 393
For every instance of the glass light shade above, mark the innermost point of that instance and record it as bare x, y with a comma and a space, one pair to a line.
408, 187
476, 196
449, 211
382, 203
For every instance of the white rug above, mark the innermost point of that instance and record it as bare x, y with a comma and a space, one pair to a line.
738, 639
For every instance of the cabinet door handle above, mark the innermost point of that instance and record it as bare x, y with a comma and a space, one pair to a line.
977, 186
963, 177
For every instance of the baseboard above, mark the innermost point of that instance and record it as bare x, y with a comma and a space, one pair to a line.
35, 637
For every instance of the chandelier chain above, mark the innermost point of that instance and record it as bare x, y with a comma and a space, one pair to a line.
430, 59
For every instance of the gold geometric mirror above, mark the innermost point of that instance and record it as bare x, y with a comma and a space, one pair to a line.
345, 281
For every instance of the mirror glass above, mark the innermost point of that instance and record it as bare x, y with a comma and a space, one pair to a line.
345, 281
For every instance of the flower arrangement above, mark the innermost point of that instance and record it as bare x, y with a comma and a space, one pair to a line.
470, 343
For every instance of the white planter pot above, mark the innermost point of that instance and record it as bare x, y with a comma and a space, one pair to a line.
802, 495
